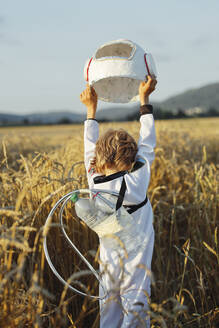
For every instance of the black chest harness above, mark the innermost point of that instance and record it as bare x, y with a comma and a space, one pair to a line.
130, 208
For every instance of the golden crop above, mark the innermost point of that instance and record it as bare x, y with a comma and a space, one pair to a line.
38, 165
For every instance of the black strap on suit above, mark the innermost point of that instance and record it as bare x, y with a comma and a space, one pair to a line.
130, 208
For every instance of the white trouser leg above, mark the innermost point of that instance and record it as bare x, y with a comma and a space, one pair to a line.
111, 314
135, 307
127, 304
135, 293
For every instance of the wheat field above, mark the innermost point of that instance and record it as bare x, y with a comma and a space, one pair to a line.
41, 164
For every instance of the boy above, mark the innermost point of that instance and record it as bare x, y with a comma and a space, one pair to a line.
115, 162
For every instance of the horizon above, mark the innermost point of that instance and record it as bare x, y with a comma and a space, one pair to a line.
107, 105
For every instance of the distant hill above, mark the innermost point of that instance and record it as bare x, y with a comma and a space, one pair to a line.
117, 113
205, 97
55, 117
42, 118
7, 118
191, 102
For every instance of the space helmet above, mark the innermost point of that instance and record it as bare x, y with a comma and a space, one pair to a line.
116, 70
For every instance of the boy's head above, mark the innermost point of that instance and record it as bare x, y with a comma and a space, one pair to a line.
115, 150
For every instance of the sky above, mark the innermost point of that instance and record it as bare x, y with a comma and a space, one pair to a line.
44, 45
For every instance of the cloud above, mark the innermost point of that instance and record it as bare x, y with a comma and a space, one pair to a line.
2, 35
6, 39
2, 19
9, 40
162, 57
200, 41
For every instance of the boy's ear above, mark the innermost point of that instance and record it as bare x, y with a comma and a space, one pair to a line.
86, 69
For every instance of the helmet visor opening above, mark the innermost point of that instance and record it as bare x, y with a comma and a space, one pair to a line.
123, 50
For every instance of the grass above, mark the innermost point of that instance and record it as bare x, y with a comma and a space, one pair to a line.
41, 164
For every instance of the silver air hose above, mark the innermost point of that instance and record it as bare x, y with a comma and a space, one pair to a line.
64, 200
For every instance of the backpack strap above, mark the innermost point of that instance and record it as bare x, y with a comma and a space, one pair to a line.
131, 208
121, 194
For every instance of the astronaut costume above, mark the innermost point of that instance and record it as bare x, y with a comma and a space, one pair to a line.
127, 275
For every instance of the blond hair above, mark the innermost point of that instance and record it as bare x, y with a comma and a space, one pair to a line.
115, 149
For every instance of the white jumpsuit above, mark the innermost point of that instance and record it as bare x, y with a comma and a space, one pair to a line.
127, 280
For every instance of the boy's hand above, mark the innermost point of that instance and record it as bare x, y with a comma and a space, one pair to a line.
146, 88
89, 98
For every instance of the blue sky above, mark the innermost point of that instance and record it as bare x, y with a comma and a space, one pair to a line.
45, 43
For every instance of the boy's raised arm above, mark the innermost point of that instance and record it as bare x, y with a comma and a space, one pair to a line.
147, 138
89, 98
146, 144
146, 88
91, 129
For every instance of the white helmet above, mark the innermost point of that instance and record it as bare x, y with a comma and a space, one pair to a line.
116, 70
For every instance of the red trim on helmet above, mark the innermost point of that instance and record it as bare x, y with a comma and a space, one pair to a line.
88, 68
145, 59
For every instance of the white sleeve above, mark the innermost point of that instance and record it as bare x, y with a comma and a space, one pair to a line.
91, 134
147, 138
137, 182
